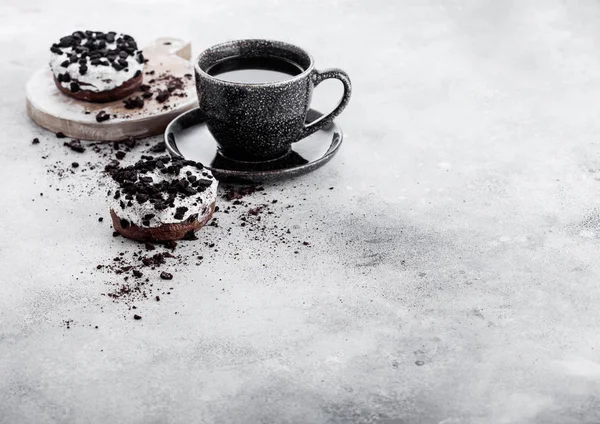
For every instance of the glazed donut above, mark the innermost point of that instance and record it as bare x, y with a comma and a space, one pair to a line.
96, 66
161, 199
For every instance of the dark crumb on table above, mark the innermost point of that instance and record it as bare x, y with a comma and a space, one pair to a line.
112, 166
75, 165
156, 259
35, 141
159, 147
171, 244
235, 193
166, 276
60, 135
115, 234
100, 219
75, 145
255, 211
137, 317
120, 155
130, 142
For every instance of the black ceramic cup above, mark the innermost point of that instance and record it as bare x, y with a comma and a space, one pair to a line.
260, 121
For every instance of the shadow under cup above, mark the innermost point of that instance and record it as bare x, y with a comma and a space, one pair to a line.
260, 121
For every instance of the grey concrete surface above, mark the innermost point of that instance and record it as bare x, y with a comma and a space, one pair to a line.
453, 275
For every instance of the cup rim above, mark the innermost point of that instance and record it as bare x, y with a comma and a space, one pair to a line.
277, 43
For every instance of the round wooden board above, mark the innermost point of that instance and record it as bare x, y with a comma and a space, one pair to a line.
52, 110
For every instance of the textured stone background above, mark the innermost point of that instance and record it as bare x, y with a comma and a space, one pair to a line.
462, 233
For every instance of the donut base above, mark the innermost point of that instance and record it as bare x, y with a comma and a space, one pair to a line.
165, 232
126, 89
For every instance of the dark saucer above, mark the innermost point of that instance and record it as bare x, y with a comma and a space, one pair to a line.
187, 136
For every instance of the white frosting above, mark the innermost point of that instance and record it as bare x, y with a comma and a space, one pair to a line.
98, 78
196, 204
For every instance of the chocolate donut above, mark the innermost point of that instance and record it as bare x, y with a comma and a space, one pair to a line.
161, 199
96, 66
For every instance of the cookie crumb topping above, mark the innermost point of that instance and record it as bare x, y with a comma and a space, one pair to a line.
95, 61
162, 190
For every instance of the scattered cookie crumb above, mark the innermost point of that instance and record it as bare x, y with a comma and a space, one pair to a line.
102, 116
166, 276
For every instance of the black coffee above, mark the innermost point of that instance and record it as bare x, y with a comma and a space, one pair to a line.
254, 70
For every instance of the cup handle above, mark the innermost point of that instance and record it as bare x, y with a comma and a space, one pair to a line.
317, 77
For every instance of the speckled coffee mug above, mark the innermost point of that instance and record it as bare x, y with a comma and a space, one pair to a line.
260, 121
